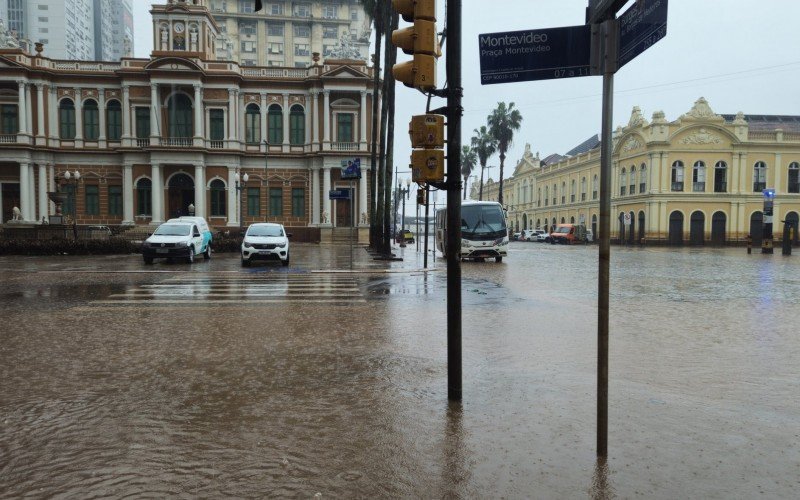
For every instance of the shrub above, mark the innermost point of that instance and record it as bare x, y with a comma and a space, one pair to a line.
68, 247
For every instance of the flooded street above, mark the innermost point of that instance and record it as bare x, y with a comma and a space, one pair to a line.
211, 380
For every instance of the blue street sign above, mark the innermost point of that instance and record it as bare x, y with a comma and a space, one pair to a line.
351, 169
545, 54
339, 194
641, 26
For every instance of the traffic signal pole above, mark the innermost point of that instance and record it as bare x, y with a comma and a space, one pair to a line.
454, 112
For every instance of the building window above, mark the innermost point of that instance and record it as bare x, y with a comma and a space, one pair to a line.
252, 124
253, 201
114, 121
68, 208
66, 119
297, 125
699, 177
217, 198
721, 177
115, 201
275, 124
759, 176
276, 48
276, 9
555, 194
144, 200
632, 179
594, 188
301, 49
353, 14
302, 10
142, 122
329, 31
677, 176
572, 192
794, 179
539, 198
179, 116
344, 127
247, 27
298, 202
583, 189
9, 119
275, 201
546, 196
330, 11
327, 50
246, 6
623, 181
92, 199
302, 31
642, 178
216, 121
248, 46
563, 193
275, 29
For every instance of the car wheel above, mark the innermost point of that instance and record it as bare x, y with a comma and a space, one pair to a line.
190, 258
498, 259
207, 253
148, 260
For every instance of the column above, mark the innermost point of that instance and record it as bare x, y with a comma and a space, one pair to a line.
52, 126
733, 175
126, 115
285, 122
777, 180
29, 108
199, 190
42, 191
127, 195
24, 192
315, 119
650, 175
198, 115
315, 201
363, 114
233, 197
22, 112
362, 197
666, 173
101, 138
263, 110
155, 116
326, 187
32, 193
78, 117
326, 122
40, 137
158, 195
231, 115
307, 137
51, 184
240, 117
744, 186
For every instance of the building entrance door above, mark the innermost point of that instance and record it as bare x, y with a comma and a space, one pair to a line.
180, 195
344, 211
9, 196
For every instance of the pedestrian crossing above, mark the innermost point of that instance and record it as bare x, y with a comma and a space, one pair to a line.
243, 289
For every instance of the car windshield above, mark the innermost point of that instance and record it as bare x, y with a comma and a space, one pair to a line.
173, 230
563, 230
482, 220
265, 231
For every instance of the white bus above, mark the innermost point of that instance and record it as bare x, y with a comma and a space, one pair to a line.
483, 230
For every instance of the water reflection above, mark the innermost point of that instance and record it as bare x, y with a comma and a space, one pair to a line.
601, 489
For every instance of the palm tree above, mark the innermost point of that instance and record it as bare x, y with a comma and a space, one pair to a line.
468, 161
502, 123
484, 146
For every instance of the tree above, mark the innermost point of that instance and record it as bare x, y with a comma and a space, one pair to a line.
484, 145
468, 161
502, 123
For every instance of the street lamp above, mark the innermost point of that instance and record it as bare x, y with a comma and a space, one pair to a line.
69, 176
404, 195
266, 177
239, 188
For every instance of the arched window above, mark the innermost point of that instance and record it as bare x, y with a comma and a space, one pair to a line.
632, 179
563, 220
538, 198
555, 194
179, 116
546, 195
721, 177
275, 124
642, 178
144, 200
699, 177
572, 220
9, 119
252, 124
623, 182
114, 121
677, 176
583, 189
759, 177
553, 225
91, 120
66, 119
572, 192
217, 189
297, 125
594, 187
794, 178
563, 192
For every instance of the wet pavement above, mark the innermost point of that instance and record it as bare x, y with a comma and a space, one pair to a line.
211, 380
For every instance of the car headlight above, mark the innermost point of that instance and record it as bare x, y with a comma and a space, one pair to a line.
281, 245
500, 242
466, 244
146, 244
247, 244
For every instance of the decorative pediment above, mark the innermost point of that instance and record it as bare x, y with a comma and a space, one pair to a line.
701, 136
173, 64
701, 111
637, 119
631, 144
344, 72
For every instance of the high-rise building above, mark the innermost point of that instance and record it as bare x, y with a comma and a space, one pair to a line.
73, 29
287, 33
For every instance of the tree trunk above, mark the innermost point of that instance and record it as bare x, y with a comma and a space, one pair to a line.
373, 180
480, 192
391, 57
502, 161
465, 186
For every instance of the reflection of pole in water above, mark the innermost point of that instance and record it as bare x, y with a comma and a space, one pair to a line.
600, 489
455, 471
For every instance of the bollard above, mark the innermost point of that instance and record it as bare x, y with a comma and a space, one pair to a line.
749, 244
787, 238
767, 246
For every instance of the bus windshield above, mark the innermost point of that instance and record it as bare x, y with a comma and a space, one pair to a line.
482, 221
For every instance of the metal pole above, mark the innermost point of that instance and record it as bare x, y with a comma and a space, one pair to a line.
352, 218
609, 53
425, 259
396, 202
239, 202
266, 177
454, 112
417, 236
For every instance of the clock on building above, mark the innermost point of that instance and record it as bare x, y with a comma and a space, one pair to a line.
179, 27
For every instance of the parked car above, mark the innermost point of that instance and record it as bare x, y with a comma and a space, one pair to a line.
568, 234
181, 239
404, 234
265, 241
527, 235
515, 236
540, 234
202, 225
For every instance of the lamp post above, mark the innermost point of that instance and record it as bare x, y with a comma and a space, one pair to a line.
239, 189
404, 195
69, 176
266, 177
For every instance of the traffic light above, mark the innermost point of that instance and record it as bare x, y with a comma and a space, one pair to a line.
418, 40
421, 198
427, 134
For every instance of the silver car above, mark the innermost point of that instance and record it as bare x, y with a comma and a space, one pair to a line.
265, 241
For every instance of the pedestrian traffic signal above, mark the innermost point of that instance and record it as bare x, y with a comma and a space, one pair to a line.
418, 40
422, 198
427, 165
427, 131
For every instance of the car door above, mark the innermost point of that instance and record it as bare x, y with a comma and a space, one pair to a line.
197, 240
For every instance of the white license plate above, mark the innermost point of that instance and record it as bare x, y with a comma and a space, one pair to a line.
162, 250
264, 252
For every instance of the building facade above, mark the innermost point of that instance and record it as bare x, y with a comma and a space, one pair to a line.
696, 180
287, 33
150, 137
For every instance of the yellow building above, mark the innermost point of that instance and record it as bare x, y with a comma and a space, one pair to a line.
696, 180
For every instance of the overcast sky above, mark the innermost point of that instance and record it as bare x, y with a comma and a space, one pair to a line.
741, 55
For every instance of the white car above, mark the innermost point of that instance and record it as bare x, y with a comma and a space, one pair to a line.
540, 235
176, 239
265, 241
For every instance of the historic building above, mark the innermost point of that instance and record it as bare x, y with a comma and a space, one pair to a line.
151, 137
696, 180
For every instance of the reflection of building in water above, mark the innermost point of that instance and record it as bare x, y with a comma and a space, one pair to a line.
695, 180
152, 136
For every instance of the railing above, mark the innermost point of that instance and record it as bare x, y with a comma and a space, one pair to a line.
8, 138
142, 143
85, 66
182, 142
677, 186
699, 187
275, 72
344, 146
217, 144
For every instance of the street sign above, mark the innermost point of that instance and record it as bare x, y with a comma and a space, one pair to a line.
544, 54
627, 218
641, 26
351, 169
339, 194
598, 9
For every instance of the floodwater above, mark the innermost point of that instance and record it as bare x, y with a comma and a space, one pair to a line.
208, 380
